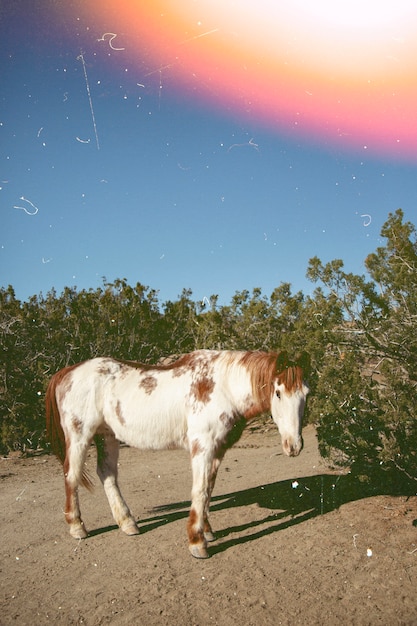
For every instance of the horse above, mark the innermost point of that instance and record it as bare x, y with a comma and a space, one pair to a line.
201, 402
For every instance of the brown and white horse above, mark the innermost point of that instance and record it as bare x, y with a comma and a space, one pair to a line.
200, 402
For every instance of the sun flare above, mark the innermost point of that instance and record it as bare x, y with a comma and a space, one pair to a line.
342, 70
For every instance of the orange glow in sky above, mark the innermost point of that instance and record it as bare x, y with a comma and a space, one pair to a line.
343, 72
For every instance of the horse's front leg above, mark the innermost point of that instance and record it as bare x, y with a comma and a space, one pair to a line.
198, 525
208, 531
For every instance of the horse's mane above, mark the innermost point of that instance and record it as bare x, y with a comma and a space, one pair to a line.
264, 367
262, 370
291, 377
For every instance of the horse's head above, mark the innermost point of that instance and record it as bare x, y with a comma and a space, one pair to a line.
288, 401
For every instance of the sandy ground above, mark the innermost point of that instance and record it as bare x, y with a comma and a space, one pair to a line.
295, 545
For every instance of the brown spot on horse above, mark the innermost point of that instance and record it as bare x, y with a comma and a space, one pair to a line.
120, 414
77, 424
202, 389
196, 448
149, 384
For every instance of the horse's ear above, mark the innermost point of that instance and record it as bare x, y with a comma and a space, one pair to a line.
303, 360
282, 361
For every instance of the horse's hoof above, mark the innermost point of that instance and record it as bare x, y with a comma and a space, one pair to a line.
199, 551
130, 528
78, 532
209, 536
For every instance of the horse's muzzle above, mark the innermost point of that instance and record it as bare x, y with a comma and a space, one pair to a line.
292, 448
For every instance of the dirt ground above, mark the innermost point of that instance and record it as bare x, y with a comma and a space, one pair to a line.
296, 544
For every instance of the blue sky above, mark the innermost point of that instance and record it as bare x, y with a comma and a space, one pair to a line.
119, 173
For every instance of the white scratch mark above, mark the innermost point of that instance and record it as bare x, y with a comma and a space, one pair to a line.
111, 37
160, 69
81, 58
209, 32
17, 499
248, 143
25, 209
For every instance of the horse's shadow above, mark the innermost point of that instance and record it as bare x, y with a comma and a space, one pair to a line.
288, 503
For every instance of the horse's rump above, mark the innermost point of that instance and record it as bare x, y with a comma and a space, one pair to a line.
54, 430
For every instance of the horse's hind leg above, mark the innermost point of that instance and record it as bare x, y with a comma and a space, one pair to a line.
107, 456
73, 474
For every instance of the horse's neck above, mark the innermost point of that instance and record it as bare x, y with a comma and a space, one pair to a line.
238, 386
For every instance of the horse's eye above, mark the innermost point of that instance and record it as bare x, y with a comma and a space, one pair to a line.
278, 393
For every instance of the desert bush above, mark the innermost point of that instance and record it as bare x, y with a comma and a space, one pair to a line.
367, 385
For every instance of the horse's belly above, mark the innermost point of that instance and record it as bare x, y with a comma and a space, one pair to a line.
151, 434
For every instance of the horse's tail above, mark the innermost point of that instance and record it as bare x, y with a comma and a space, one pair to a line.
54, 430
